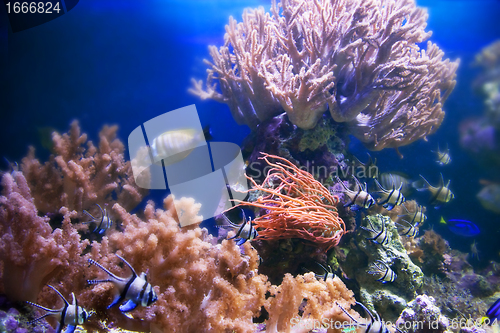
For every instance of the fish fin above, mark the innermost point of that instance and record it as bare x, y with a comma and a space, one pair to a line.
128, 306
207, 132
355, 208
241, 241
70, 329
115, 302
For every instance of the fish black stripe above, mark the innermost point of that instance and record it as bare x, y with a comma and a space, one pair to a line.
63, 317
240, 230
434, 199
369, 326
356, 197
125, 290
150, 296
389, 196
143, 290
380, 233
383, 277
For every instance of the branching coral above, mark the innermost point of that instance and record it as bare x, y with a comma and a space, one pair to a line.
358, 58
297, 206
78, 177
30, 251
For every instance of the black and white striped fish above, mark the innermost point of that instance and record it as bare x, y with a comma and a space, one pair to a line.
136, 289
359, 198
408, 230
246, 230
440, 194
418, 218
390, 199
380, 237
103, 223
328, 272
376, 325
71, 315
381, 269
443, 157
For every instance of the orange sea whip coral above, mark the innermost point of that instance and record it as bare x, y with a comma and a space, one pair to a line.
298, 207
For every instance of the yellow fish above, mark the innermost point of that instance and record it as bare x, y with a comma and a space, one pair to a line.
174, 146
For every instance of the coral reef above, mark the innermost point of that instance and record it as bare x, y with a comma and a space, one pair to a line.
295, 206
201, 285
359, 59
77, 177
31, 252
320, 151
390, 298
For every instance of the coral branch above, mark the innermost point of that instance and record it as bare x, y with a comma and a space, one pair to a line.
359, 58
296, 205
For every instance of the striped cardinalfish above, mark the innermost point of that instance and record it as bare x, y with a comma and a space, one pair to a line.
246, 231
408, 229
359, 198
440, 194
443, 157
381, 269
392, 198
135, 289
103, 223
327, 272
71, 315
380, 237
417, 218
376, 325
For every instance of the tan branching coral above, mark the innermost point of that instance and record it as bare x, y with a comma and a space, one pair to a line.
78, 177
201, 285
358, 58
30, 251
296, 205
319, 299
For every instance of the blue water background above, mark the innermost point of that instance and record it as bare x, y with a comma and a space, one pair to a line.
125, 62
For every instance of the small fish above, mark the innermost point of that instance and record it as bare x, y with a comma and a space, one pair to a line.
328, 272
443, 157
390, 199
103, 223
359, 198
381, 269
380, 237
474, 251
135, 289
440, 194
493, 312
245, 232
71, 315
174, 146
376, 325
461, 227
418, 218
408, 230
